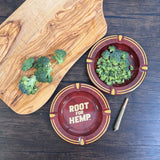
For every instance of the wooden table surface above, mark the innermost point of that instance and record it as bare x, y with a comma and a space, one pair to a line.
32, 137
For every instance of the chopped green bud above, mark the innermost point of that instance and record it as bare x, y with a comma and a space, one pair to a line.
43, 74
125, 55
28, 85
44, 69
59, 56
109, 83
28, 63
112, 48
106, 54
131, 68
114, 66
42, 62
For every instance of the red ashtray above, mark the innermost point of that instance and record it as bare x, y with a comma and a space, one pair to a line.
80, 114
138, 60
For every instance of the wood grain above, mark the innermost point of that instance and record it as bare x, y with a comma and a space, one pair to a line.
37, 29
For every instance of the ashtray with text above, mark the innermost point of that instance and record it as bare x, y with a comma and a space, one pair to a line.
80, 114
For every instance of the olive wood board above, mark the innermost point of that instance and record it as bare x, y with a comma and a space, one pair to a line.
38, 28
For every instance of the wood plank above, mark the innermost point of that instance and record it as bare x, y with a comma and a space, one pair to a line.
101, 153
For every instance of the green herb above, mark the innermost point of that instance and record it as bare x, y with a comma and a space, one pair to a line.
42, 62
44, 69
28, 63
59, 56
43, 74
114, 66
112, 48
28, 85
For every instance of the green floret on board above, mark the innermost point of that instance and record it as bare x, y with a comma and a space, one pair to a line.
43, 74
42, 62
44, 69
59, 56
28, 85
28, 63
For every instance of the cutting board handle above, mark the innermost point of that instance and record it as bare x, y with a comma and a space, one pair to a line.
8, 34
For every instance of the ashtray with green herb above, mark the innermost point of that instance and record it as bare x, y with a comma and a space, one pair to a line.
117, 64
114, 66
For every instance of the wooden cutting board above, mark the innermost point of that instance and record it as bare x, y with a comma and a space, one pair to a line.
38, 28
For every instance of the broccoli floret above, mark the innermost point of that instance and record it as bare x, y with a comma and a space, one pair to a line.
99, 62
43, 74
106, 54
119, 81
112, 48
103, 77
126, 63
125, 55
44, 69
131, 67
42, 62
115, 58
109, 83
129, 74
99, 71
28, 63
59, 56
28, 85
